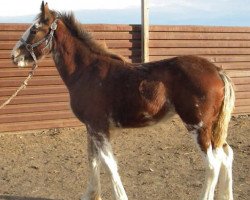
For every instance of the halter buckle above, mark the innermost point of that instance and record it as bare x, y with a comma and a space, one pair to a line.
54, 25
29, 47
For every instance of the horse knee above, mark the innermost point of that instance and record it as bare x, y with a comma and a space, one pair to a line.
108, 160
213, 170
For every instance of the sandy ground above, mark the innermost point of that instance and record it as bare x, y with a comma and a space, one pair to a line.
159, 162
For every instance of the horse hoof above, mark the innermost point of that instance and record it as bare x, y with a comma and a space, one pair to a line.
87, 197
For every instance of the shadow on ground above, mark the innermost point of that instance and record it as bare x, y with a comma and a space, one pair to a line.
7, 197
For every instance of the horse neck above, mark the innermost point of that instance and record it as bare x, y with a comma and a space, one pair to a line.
69, 54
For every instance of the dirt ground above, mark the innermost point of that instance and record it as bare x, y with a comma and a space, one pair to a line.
159, 162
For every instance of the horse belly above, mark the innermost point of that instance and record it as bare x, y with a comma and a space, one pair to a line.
168, 115
142, 118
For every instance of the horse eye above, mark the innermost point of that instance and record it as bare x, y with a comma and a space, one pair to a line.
33, 30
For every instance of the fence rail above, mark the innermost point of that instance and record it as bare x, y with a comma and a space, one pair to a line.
44, 104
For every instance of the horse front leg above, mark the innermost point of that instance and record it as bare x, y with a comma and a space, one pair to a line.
107, 158
94, 186
101, 143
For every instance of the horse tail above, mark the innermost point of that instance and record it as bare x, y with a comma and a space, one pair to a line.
221, 126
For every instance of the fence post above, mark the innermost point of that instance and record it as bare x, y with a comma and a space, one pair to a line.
144, 31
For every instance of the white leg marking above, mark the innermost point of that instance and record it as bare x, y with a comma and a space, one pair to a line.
225, 191
196, 127
194, 130
107, 158
213, 161
195, 135
94, 186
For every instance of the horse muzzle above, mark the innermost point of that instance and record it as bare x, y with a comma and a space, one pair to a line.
18, 59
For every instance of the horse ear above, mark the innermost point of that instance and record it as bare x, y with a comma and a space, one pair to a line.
42, 6
45, 11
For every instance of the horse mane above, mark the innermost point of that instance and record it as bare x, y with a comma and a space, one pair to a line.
77, 31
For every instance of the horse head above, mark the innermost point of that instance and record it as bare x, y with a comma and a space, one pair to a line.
36, 41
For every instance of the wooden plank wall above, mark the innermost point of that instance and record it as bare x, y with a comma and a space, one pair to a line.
44, 104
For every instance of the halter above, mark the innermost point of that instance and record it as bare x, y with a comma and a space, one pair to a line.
47, 39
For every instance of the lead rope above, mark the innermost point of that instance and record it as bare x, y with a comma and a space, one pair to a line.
23, 85
25, 82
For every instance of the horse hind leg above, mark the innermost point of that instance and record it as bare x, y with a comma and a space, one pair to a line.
220, 130
218, 167
212, 159
225, 190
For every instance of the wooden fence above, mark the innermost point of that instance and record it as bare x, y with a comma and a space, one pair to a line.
44, 104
